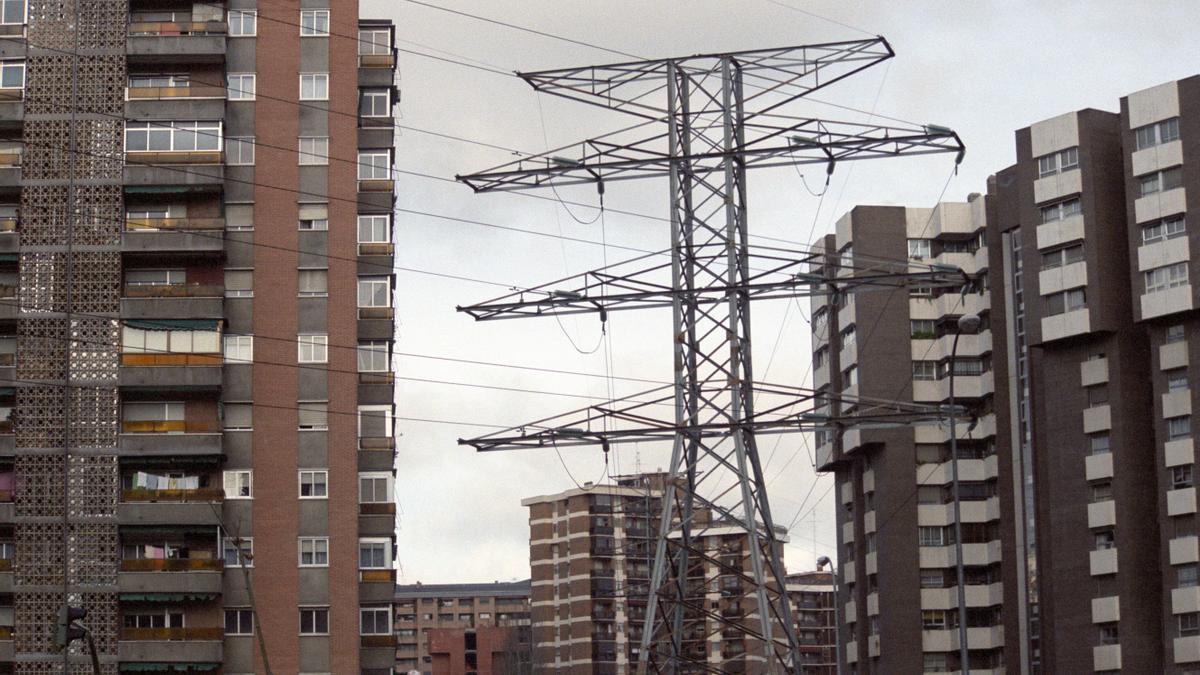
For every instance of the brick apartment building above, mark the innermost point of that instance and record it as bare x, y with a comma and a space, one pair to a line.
451, 629
812, 598
1079, 502
197, 334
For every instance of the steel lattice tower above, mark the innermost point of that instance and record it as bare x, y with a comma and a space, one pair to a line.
722, 115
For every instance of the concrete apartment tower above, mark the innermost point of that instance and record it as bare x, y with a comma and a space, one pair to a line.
812, 599
196, 222
896, 559
1079, 508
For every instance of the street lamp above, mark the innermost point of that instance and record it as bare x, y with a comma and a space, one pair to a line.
837, 620
968, 324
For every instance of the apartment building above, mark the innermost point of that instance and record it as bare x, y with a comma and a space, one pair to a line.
812, 598
433, 622
1079, 506
592, 551
195, 230
895, 511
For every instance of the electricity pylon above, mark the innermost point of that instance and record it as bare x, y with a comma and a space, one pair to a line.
712, 118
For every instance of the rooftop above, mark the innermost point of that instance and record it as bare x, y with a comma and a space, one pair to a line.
503, 589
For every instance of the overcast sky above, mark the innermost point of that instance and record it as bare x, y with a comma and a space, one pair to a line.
982, 68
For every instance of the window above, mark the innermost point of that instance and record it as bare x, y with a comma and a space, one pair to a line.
239, 349
314, 620
375, 620
922, 329
1181, 477
848, 336
850, 376
313, 416
12, 12
1162, 278
1167, 228
374, 292
374, 165
1065, 301
373, 554
154, 619
1063, 160
819, 357
1061, 210
966, 367
155, 277
162, 80
314, 22
314, 217
314, 151
934, 619
239, 484
1189, 623
239, 217
935, 662
932, 536
314, 551
373, 356
150, 416
920, 249
1153, 134
239, 283
929, 494
1175, 334
313, 348
375, 103
377, 41
932, 578
374, 421
1185, 576
374, 488
236, 556
240, 86
1100, 492
1104, 540
374, 229
1179, 427
924, 370
314, 484
1063, 256
239, 621
237, 416
1177, 380
1099, 444
314, 86
172, 136
1160, 181
314, 283
12, 74
239, 151
1109, 635
243, 23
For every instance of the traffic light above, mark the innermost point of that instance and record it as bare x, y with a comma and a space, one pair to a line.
68, 632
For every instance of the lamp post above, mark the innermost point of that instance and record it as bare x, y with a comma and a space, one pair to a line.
967, 324
837, 619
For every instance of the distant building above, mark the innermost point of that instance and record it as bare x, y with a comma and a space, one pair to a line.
592, 551
812, 599
436, 623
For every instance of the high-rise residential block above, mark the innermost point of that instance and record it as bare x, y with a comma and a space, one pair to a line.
812, 598
1078, 497
434, 622
195, 219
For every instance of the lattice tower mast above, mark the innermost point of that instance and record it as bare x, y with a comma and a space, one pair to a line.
722, 115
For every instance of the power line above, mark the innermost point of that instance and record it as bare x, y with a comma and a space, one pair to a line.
819, 16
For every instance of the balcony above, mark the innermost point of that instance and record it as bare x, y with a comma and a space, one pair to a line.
378, 652
176, 41
377, 519
169, 512
376, 460
170, 444
171, 576
191, 169
184, 102
375, 323
375, 388
172, 645
376, 586
183, 236
376, 196
173, 301
10, 167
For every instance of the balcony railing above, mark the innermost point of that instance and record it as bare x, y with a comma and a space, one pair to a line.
377, 508
174, 290
377, 576
177, 28
10, 158
385, 248
140, 359
376, 312
369, 641
173, 565
376, 377
6, 632
376, 443
172, 157
376, 60
192, 495
12, 94
173, 224
6, 564
161, 634
181, 91
377, 185
8, 223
